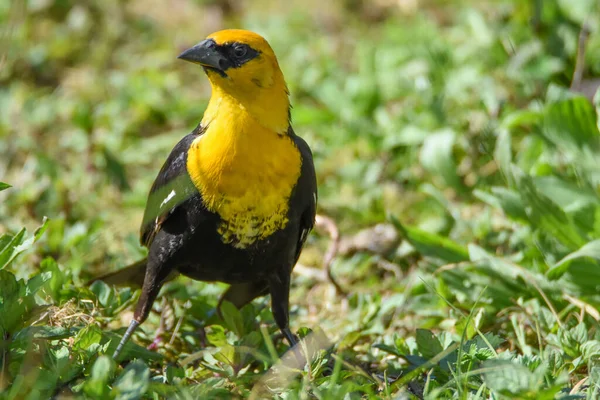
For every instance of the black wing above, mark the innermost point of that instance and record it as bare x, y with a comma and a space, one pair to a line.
171, 187
305, 197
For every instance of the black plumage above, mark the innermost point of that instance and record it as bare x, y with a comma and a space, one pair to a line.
181, 236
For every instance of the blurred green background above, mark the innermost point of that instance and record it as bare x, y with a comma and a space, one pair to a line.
462, 135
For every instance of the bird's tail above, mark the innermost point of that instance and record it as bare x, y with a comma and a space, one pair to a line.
132, 275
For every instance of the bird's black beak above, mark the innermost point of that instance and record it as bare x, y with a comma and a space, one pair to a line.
206, 53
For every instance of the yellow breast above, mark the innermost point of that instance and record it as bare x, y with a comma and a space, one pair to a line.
246, 174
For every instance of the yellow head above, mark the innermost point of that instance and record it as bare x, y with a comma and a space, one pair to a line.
242, 67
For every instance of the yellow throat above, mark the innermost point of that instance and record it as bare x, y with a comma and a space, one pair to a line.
245, 166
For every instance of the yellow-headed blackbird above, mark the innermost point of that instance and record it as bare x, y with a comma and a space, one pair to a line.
236, 198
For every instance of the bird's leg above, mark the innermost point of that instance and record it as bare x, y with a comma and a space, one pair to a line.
279, 286
132, 326
156, 273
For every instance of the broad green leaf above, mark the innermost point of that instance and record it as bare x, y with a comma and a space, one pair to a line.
571, 124
591, 250
479, 255
226, 354
567, 195
503, 154
519, 118
582, 277
249, 318
570, 341
579, 333
437, 157
505, 199
557, 93
97, 384
428, 345
9, 288
36, 282
512, 379
11, 248
508, 378
215, 334
14, 302
252, 340
174, 374
432, 245
103, 292
350, 340
5, 239
547, 216
133, 382
58, 280
8, 252
37, 234
595, 375
493, 339
501, 280
88, 341
45, 332
87, 336
389, 349
233, 318
4, 186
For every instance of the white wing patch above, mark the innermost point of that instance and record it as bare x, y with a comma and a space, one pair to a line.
168, 198
303, 235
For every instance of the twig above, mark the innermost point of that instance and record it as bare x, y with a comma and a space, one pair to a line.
584, 34
578, 385
585, 307
176, 330
331, 228
390, 267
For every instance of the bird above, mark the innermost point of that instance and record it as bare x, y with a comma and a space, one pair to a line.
236, 198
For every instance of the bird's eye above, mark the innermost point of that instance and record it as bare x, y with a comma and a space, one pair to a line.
240, 51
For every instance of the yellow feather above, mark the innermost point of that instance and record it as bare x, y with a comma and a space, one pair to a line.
245, 165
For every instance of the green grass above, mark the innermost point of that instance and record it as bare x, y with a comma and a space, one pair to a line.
450, 122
